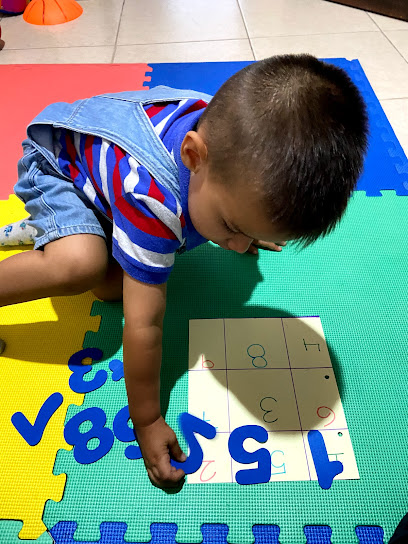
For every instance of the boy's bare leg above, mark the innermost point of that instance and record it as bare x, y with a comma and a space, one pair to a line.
68, 266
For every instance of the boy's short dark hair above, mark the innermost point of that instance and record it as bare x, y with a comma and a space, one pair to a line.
297, 128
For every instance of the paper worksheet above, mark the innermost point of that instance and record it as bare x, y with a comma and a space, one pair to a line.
271, 372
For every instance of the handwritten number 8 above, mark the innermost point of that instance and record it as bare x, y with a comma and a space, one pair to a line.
257, 356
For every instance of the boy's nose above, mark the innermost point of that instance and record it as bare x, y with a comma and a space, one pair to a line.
239, 243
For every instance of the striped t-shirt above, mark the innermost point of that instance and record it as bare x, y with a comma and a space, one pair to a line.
149, 224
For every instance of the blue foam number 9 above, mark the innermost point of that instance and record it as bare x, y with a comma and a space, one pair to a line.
80, 440
76, 381
124, 433
189, 425
259, 475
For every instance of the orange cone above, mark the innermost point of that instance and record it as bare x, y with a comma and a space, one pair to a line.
51, 12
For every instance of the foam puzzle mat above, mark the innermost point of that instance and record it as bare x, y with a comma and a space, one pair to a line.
355, 280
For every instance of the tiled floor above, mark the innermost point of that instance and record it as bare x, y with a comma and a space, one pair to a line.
124, 31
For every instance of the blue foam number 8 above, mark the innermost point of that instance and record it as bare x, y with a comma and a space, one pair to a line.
80, 440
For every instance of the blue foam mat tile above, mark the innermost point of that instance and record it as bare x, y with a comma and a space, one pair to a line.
318, 534
386, 166
370, 535
213, 533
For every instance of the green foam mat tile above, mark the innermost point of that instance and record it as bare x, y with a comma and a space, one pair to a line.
356, 281
9, 530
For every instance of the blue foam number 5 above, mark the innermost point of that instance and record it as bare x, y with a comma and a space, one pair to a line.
32, 434
189, 425
76, 381
259, 475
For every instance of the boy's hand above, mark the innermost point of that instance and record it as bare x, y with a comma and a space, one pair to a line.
272, 246
158, 443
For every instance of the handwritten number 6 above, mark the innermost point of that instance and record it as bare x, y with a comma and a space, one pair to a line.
326, 416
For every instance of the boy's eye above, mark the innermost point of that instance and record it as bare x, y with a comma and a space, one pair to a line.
228, 228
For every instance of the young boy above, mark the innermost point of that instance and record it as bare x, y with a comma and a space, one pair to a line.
117, 184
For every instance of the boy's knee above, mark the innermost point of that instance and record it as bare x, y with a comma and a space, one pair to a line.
78, 262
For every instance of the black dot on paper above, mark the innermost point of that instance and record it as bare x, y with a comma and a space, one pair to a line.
327, 377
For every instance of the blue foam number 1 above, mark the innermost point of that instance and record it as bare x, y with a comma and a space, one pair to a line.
259, 475
326, 470
189, 425
32, 434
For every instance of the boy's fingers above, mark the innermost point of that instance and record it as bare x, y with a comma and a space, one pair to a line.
253, 250
176, 452
165, 475
273, 246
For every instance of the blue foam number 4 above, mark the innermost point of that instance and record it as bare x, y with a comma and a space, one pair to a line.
190, 425
32, 434
262, 473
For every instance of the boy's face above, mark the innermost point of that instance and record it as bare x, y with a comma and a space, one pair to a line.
231, 215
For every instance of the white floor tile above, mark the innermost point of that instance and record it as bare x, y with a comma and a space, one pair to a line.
385, 68
98, 25
228, 50
300, 17
155, 21
400, 39
397, 113
57, 55
388, 23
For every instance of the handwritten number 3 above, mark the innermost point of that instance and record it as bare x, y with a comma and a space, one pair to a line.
267, 420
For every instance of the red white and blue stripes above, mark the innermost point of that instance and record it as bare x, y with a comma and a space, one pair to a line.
148, 221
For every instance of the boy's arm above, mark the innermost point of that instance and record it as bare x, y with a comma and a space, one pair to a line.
144, 307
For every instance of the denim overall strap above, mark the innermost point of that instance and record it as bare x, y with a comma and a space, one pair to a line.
121, 119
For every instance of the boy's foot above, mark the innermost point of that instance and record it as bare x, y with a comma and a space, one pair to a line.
2, 346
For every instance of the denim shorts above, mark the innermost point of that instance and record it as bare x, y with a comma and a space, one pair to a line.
56, 207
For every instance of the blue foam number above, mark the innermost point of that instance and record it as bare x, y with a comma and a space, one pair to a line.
326, 470
190, 425
76, 381
116, 366
259, 475
80, 440
124, 433
32, 434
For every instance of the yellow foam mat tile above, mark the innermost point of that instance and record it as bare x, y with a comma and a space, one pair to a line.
40, 337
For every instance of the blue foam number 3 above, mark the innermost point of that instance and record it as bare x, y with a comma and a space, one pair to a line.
76, 381
189, 425
259, 475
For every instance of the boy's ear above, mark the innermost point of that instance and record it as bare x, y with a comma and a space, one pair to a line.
193, 151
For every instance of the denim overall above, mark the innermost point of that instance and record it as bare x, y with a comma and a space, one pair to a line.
118, 118
53, 202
